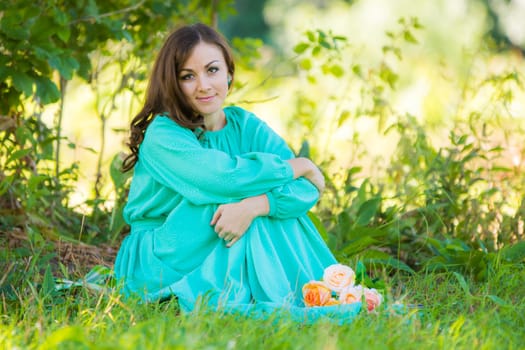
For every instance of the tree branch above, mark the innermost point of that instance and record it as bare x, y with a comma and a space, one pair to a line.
107, 14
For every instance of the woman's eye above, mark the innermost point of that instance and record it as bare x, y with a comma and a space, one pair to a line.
213, 69
186, 77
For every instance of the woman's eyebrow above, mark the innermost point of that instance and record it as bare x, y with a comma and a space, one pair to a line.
206, 66
212, 62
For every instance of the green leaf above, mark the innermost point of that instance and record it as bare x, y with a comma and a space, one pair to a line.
311, 79
388, 76
462, 283
96, 279
318, 225
372, 256
22, 82
360, 273
42, 30
301, 47
361, 231
416, 24
13, 28
337, 71
65, 65
311, 36
325, 44
305, 150
18, 155
84, 69
118, 177
357, 70
60, 17
367, 211
407, 35
98, 274
321, 36
497, 300
117, 222
514, 253
92, 9
343, 223
390, 262
305, 64
358, 245
360, 268
436, 263
63, 33
48, 286
46, 90
325, 68
343, 117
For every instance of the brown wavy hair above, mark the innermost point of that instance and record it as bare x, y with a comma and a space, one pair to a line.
164, 94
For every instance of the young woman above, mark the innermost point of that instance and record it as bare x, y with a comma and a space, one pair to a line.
218, 203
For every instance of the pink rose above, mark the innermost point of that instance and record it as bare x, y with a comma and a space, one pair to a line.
316, 293
372, 298
338, 276
351, 295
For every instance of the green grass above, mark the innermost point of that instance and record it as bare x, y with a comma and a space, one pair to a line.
458, 314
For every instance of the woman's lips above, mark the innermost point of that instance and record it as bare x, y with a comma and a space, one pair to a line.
205, 99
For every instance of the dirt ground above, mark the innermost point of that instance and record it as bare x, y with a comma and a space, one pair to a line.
77, 257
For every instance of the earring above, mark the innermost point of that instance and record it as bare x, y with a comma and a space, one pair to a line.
229, 81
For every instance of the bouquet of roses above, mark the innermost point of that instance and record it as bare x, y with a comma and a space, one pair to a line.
338, 287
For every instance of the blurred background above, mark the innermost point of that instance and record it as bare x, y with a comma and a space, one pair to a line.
457, 43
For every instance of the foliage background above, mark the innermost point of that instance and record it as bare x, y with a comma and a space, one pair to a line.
414, 111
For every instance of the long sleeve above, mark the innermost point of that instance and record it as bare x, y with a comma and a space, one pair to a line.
173, 156
294, 198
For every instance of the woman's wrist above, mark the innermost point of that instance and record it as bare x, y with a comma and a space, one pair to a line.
258, 205
304, 167
301, 166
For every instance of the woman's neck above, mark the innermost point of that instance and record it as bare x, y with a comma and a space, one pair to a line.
215, 122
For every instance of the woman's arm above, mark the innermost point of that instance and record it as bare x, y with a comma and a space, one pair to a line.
294, 198
173, 157
304, 167
232, 220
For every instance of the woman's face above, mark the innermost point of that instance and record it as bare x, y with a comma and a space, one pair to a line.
203, 79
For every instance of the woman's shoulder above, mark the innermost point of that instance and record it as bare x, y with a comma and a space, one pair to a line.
163, 121
162, 125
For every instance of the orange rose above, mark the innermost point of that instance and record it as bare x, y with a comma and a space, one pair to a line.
373, 298
316, 293
351, 295
338, 276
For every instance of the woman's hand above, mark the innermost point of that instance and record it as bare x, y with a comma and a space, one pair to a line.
305, 167
232, 220
316, 177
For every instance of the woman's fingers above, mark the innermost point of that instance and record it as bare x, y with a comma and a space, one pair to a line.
232, 242
216, 215
230, 237
230, 221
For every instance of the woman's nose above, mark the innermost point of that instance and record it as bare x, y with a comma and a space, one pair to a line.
203, 82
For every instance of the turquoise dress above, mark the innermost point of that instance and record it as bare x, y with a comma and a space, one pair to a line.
179, 180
